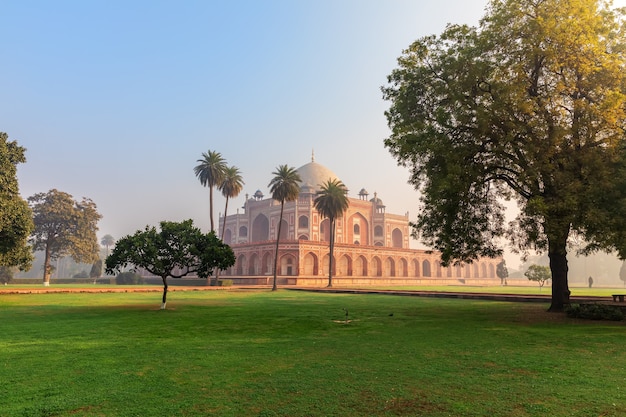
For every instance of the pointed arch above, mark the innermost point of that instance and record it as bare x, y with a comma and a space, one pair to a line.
426, 268
325, 231
266, 265
326, 262
253, 264
288, 265
416, 267
311, 266
228, 236
390, 267
344, 266
360, 266
359, 230
241, 264
284, 230
403, 268
396, 238
303, 222
377, 267
260, 228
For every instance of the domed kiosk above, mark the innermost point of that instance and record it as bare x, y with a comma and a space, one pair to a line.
371, 245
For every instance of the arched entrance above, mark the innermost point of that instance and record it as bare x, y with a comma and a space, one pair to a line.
260, 229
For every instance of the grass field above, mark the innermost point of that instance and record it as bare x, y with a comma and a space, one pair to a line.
288, 353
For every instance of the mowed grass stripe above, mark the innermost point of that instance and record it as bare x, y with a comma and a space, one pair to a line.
286, 353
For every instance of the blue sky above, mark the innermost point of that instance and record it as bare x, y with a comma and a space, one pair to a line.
116, 100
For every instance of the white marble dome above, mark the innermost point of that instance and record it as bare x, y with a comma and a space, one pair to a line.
314, 174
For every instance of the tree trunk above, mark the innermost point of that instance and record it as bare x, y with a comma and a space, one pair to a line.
557, 252
332, 248
211, 208
224, 224
280, 222
164, 300
217, 270
46, 268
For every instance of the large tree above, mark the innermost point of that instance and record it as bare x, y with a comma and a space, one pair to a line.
63, 227
210, 173
285, 186
331, 202
16, 222
529, 105
177, 250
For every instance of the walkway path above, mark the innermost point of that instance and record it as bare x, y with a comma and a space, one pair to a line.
410, 293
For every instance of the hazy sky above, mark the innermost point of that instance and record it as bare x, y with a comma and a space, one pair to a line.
116, 100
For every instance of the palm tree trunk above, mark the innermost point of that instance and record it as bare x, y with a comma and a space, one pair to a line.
217, 271
224, 224
211, 208
332, 248
280, 222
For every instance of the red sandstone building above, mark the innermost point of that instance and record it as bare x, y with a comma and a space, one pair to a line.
371, 245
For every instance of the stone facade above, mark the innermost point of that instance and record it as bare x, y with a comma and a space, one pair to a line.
371, 246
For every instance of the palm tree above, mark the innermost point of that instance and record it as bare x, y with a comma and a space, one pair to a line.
331, 202
107, 241
285, 186
210, 172
231, 186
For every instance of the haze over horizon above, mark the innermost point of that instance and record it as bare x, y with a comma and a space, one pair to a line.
116, 101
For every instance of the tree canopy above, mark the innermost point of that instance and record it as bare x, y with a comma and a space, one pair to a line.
176, 250
63, 227
16, 222
530, 106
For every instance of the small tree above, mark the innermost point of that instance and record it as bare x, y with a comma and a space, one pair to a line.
177, 250
64, 227
502, 272
538, 273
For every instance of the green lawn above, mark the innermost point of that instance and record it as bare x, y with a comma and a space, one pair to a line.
289, 353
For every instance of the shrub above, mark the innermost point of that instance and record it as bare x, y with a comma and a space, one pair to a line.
225, 283
596, 312
128, 278
81, 274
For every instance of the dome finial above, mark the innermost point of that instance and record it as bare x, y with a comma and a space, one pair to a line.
312, 155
